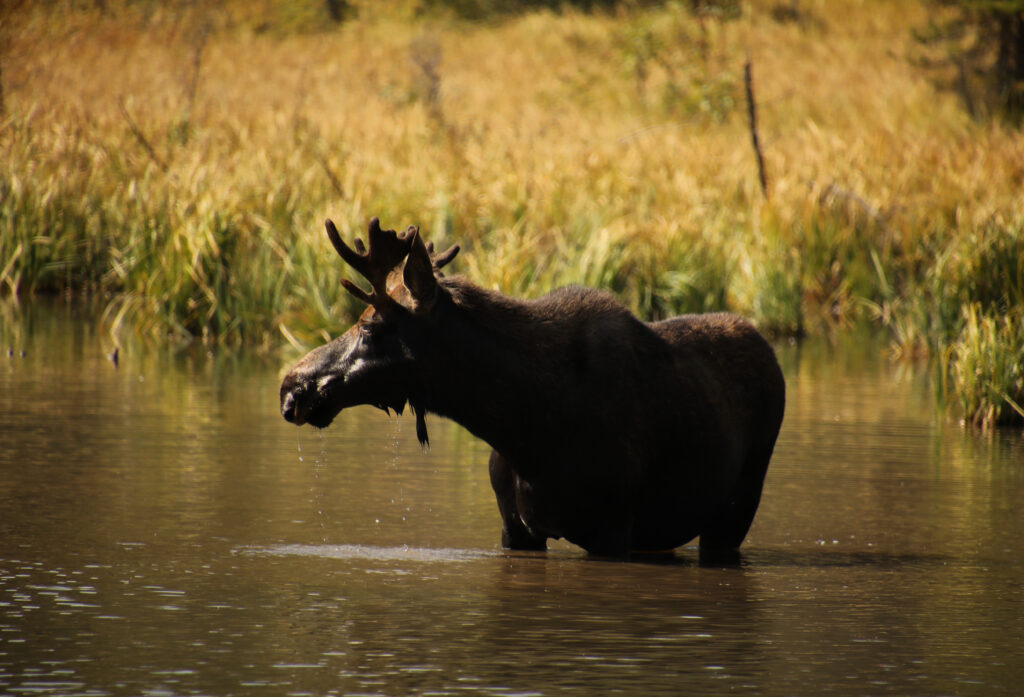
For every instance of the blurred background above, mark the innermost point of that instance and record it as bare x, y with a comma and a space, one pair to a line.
816, 166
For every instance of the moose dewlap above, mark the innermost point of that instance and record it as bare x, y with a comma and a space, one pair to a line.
616, 434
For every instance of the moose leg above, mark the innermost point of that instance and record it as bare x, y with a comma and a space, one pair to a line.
732, 521
514, 533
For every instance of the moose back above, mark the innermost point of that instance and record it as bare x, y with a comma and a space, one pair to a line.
616, 434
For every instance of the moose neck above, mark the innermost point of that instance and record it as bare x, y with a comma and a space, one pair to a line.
497, 367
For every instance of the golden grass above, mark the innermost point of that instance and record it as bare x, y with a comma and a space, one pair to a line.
611, 150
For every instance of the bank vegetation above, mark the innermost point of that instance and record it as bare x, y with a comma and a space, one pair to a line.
178, 161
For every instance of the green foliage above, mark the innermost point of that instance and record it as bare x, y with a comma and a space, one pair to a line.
968, 308
778, 305
696, 280
668, 54
480, 9
985, 367
978, 51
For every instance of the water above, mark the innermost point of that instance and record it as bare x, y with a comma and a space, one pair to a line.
164, 532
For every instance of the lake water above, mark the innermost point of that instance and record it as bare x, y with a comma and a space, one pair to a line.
164, 532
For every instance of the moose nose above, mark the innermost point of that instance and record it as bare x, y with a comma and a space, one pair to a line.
288, 407
292, 408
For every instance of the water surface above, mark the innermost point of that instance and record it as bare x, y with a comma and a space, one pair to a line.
164, 532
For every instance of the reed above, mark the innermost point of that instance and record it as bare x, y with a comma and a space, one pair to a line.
985, 367
181, 164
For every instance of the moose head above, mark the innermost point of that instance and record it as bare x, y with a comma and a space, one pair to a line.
375, 361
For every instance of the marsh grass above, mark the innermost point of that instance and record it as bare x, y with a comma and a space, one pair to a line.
180, 165
985, 368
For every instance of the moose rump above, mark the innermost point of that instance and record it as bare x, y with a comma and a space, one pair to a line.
616, 434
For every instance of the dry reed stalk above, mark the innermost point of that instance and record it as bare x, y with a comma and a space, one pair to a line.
748, 84
141, 137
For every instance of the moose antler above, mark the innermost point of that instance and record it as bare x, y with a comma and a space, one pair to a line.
444, 258
387, 249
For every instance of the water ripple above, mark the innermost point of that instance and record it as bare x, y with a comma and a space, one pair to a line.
371, 553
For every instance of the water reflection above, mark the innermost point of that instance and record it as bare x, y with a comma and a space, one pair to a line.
163, 531
403, 553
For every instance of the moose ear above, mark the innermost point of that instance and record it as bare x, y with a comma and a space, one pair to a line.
418, 273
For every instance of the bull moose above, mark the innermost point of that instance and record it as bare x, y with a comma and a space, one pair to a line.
616, 434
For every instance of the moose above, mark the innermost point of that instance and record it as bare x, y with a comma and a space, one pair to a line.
619, 435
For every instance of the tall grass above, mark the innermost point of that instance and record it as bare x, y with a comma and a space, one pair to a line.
985, 366
181, 163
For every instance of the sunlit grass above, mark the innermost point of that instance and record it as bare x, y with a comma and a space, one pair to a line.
183, 164
986, 369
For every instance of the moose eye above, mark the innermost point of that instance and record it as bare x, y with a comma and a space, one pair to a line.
371, 329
